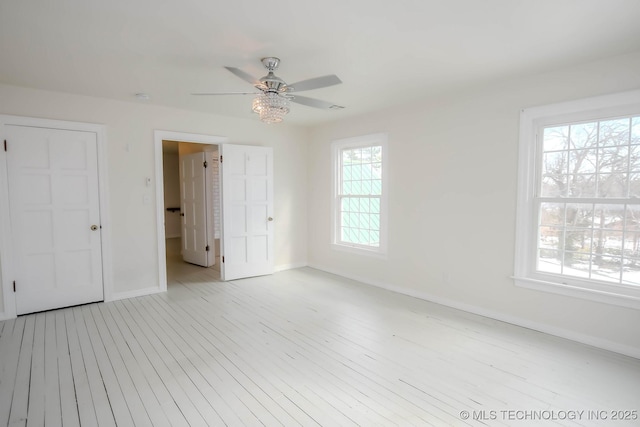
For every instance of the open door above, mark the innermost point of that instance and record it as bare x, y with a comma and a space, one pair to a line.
247, 211
197, 225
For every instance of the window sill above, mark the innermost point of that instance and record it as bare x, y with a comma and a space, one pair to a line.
613, 296
374, 253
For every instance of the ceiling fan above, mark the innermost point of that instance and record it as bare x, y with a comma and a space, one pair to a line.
274, 96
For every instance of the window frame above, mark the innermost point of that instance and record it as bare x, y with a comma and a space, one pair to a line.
532, 120
337, 146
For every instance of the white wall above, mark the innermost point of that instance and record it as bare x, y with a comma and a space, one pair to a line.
452, 202
133, 223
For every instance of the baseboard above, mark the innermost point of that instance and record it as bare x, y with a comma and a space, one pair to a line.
514, 320
283, 267
167, 236
133, 294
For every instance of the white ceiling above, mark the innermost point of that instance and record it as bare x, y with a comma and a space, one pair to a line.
385, 52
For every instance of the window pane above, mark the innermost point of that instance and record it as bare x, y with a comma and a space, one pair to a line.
606, 268
631, 272
551, 238
376, 170
613, 159
549, 261
578, 240
554, 185
582, 185
577, 264
632, 220
555, 138
579, 215
347, 187
376, 154
635, 130
584, 135
583, 161
376, 187
614, 132
612, 185
366, 187
552, 214
346, 172
610, 217
375, 206
555, 163
634, 157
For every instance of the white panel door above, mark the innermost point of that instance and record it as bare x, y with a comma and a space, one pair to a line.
247, 211
55, 217
196, 246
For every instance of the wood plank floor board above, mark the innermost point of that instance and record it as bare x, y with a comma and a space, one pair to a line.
222, 344
68, 399
320, 347
142, 365
301, 347
127, 377
20, 398
85, 402
9, 357
52, 400
228, 372
182, 390
104, 411
119, 406
245, 315
210, 377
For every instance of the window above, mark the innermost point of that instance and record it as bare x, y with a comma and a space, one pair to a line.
359, 202
578, 227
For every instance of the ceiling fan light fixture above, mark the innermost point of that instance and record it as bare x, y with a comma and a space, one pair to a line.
271, 107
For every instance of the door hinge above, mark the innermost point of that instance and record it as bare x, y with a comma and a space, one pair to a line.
220, 159
223, 259
5, 145
205, 164
14, 286
207, 248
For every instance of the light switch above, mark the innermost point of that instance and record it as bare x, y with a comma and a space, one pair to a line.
147, 181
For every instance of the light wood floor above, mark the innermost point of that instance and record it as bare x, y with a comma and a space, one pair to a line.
297, 348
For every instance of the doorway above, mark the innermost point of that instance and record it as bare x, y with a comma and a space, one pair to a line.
167, 226
191, 184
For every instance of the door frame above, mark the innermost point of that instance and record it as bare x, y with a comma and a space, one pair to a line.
6, 261
158, 137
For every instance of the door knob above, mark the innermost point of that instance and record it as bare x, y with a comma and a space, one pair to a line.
94, 227
269, 219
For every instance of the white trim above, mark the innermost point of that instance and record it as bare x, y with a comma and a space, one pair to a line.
531, 119
577, 291
5, 224
284, 267
381, 139
502, 317
158, 137
136, 293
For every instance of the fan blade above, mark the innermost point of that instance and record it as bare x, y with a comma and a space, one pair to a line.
227, 93
317, 83
244, 76
316, 103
